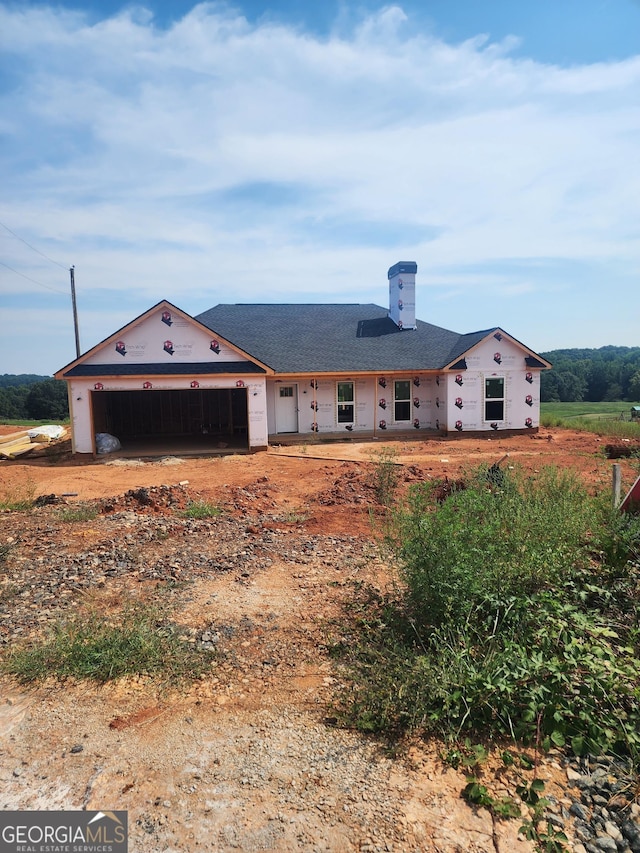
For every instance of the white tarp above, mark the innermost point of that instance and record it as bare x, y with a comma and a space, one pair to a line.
49, 430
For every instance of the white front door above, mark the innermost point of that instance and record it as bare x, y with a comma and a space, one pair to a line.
286, 408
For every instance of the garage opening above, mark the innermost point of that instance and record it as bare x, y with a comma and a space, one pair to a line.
185, 421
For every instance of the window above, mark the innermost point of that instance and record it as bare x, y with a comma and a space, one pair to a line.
346, 407
494, 399
287, 391
402, 400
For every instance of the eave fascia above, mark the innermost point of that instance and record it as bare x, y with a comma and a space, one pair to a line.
158, 377
349, 374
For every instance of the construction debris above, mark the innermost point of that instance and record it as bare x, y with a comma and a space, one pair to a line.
25, 441
47, 433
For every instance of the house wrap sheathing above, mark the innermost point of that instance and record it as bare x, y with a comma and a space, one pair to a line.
242, 375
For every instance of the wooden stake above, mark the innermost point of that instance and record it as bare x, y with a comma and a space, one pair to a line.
617, 484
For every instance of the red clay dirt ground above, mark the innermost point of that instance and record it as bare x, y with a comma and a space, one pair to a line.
241, 759
298, 475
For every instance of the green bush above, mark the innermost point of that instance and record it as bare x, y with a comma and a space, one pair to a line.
385, 475
519, 618
488, 542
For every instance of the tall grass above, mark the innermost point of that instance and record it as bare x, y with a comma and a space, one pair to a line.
604, 419
384, 475
606, 410
72, 514
604, 428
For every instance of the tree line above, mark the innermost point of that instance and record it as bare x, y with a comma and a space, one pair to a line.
592, 375
30, 397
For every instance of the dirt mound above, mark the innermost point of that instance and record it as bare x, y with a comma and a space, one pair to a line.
352, 486
151, 499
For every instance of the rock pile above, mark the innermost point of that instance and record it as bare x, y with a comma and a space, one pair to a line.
151, 499
352, 487
606, 818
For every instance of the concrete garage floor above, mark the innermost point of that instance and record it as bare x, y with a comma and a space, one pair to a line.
182, 445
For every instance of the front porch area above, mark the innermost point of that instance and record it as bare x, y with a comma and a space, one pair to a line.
293, 438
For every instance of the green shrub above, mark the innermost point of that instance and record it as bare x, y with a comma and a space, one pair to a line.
385, 475
486, 543
519, 618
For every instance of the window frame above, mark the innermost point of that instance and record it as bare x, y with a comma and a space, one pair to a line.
343, 406
401, 401
493, 400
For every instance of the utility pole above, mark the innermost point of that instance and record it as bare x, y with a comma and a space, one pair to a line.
75, 310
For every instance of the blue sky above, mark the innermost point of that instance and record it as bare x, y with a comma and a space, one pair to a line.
292, 151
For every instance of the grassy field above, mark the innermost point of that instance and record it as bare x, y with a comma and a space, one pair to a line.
566, 411
603, 418
26, 424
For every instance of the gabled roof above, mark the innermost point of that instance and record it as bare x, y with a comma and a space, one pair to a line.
294, 338
78, 367
466, 343
311, 339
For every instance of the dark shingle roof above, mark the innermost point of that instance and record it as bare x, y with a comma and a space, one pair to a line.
334, 338
170, 368
466, 342
531, 361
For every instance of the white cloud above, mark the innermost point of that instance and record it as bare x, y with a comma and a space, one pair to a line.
175, 162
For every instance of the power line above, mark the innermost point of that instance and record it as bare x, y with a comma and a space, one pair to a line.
17, 236
39, 283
